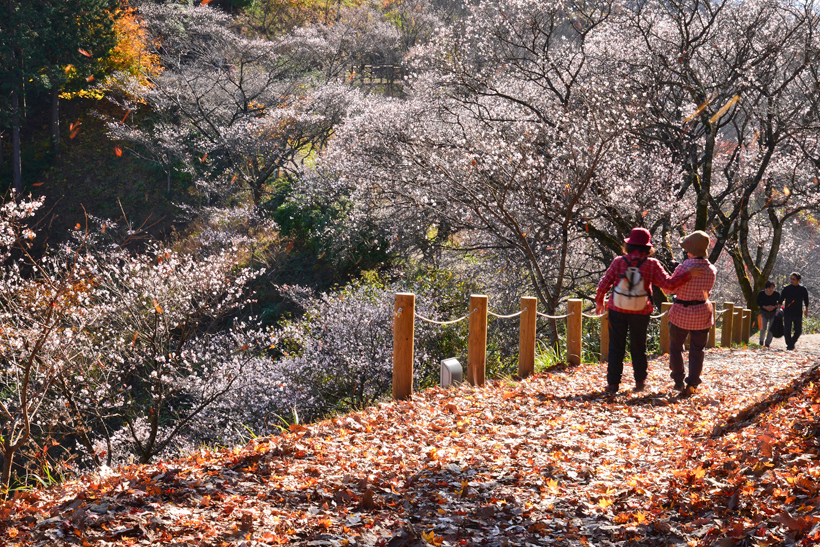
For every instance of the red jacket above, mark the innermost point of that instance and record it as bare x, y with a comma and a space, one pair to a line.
652, 273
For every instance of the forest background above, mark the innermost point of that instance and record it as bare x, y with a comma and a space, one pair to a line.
211, 204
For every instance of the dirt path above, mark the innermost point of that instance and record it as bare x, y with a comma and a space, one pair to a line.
808, 343
549, 461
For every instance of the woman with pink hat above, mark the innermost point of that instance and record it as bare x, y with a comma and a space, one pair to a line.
631, 278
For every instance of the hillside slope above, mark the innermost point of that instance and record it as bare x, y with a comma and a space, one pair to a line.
546, 461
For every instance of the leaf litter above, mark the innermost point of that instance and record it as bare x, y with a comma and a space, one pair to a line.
549, 460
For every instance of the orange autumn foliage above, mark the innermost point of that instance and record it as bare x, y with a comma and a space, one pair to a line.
131, 54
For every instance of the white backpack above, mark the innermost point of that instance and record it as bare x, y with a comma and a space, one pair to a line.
630, 293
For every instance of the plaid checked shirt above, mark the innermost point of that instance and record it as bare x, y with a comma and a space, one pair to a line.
652, 273
699, 316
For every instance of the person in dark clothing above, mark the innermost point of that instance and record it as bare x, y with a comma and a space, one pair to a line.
768, 300
792, 297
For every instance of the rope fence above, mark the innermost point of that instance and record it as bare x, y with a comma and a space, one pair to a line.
544, 315
506, 316
590, 316
453, 322
735, 329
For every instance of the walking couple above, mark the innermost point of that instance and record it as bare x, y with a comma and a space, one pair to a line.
791, 298
632, 277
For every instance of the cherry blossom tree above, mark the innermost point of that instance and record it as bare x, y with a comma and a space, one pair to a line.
163, 350
44, 316
361, 36
415, 20
233, 110
116, 350
731, 92
536, 129
503, 144
419, 20
799, 254
337, 355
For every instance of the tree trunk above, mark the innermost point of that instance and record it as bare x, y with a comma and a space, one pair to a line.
553, 332
55, 118
704, 187
16, 169
8, 462
5, 476
150, 444
755, 272
742, 276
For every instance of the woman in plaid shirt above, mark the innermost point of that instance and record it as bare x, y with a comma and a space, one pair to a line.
623, 321
692, 314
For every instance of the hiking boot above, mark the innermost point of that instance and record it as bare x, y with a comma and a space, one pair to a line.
611, 389
679, 386
688, 391
640, 386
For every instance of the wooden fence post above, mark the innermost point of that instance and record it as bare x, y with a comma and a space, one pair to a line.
404, 312
710, 343
747, 326
726, 325
477, 342
574, 330
737, 326
605, 335
664, 332
526, 338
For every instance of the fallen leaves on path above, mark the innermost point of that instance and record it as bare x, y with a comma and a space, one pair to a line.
545, 461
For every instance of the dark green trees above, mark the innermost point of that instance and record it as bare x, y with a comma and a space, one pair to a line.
47, 47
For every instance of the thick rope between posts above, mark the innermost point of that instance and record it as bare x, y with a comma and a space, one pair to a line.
554, 316
507, 316
590, 316
446, 322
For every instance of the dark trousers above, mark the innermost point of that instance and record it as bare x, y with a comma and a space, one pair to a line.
619, 324
788, 321
697, 341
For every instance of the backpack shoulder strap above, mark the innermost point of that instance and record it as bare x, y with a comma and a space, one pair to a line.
626, 260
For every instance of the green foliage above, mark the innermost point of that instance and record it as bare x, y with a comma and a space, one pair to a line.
451, 293
54, 43
47, 477
310, 252
653, 337
811, 325
271, 18
548, 356
502, 349
77, 37
240, 4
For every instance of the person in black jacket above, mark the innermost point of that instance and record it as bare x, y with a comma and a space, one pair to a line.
792, 297
768, 300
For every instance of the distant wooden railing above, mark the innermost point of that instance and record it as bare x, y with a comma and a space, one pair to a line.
390, 77
735, 329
